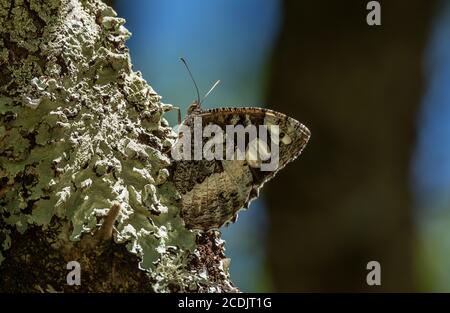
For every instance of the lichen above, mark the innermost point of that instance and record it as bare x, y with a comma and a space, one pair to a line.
79, 131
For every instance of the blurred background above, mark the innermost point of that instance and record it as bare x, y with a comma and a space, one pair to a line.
374, 181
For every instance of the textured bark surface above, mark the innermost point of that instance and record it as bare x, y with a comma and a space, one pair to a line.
358, 89
84, 162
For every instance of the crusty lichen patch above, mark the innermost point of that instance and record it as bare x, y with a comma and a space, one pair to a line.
79, 131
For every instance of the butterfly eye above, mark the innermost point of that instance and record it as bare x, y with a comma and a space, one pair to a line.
282, 135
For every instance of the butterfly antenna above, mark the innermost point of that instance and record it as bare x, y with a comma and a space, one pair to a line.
210, 90
192, 77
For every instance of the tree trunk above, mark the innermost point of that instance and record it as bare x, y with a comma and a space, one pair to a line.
84, 162
357, 88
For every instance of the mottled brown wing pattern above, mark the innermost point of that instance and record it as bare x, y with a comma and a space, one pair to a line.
212, 192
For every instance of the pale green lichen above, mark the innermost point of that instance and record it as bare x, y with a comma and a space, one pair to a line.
81, 130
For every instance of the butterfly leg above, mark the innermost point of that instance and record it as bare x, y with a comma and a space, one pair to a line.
169, 107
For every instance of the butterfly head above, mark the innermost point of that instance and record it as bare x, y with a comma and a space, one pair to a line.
194, 108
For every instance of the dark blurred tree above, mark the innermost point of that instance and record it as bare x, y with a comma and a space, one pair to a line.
358, 89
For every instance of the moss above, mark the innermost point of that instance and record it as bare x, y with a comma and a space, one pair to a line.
80, 130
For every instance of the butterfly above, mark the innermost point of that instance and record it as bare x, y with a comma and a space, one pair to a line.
213, 190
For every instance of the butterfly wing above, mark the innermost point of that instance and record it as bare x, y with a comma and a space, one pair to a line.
213, 191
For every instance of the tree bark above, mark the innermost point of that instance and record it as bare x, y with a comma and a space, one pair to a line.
357, 88
84, 162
